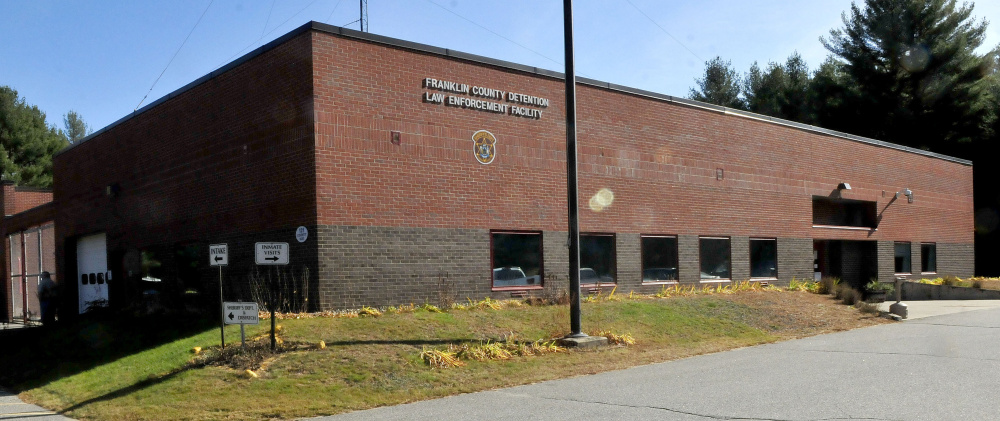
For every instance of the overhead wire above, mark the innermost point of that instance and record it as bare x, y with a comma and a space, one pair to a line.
268, 33
494, 32
268, 20
175, 55
332, 11
664, 30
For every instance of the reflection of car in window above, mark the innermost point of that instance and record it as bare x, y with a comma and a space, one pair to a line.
513, 276
659, 274
721, 271
590, 276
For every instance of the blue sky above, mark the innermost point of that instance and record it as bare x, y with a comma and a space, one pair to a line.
101, 57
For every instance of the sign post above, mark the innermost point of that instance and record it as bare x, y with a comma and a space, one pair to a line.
271, 254
241, 314
218, 255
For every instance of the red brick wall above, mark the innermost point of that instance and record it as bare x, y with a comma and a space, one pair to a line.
232, 154
658, 158
17, 199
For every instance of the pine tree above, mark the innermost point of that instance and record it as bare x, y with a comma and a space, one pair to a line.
27, 142
719, 86
781, 91
76, 128
911, 74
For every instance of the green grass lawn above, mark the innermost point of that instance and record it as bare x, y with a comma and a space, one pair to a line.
107, 371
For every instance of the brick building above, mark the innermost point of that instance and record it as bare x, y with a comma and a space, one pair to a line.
29, 248
424, 174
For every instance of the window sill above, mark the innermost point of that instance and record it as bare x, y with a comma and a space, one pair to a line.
763, 279
660, 283
840, 227
518, 288
597, 285
714, 281
928, 273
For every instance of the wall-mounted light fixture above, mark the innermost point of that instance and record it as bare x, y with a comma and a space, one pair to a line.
909, 195
843, 186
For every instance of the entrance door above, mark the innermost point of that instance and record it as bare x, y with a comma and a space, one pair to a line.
92, 269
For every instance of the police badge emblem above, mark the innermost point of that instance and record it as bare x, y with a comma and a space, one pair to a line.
484, 146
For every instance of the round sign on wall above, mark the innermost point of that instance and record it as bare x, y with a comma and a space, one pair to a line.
301, 234
484, 146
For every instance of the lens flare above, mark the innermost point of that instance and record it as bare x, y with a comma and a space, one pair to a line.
602, 199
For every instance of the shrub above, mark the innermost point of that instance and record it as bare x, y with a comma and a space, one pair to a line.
876, 287
848, 295
828, 285
977, 284
951, 281
616, 339
867, 308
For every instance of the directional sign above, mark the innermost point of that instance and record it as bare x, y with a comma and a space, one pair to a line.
240, 313
218, 254
271, 253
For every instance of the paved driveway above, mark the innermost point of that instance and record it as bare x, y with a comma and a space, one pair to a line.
11, 408
934, 368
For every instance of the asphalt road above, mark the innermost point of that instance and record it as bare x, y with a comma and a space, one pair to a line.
935, 368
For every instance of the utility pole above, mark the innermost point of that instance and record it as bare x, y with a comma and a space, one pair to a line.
364, 16
571, 176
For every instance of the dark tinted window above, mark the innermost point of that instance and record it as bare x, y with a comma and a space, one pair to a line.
928, 257
843, 212
763, 258
517, 259
597, 259
715, 258
903, 258
659, 259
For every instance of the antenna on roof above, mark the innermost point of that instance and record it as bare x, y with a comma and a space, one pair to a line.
364, 16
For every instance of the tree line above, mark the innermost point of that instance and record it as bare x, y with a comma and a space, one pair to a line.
28, 141
901, 71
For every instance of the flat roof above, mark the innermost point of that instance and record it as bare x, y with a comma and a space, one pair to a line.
350, 33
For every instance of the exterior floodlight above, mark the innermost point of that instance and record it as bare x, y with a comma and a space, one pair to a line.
909, 195
843, 186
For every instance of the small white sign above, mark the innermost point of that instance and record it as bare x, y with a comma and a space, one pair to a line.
241, 313
218, 254
271, 253
301, 234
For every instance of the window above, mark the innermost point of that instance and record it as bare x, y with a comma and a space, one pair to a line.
763, 258
517, 259
597, 259
902, 257
928, 257
659, 258
844, 213
715, 258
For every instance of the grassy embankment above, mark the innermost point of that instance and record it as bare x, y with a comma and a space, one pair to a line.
107, 370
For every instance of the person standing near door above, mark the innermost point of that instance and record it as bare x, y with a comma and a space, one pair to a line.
47, 293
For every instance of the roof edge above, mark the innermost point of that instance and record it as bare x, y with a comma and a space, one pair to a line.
394, 42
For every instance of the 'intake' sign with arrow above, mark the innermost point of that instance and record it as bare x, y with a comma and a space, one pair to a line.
271, 253
218, 254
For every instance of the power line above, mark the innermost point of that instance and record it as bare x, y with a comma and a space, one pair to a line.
334, 10
492, 32
175, 55
271, 31
664, 30
268, 17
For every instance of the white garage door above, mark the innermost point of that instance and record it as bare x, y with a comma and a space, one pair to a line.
92, 270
